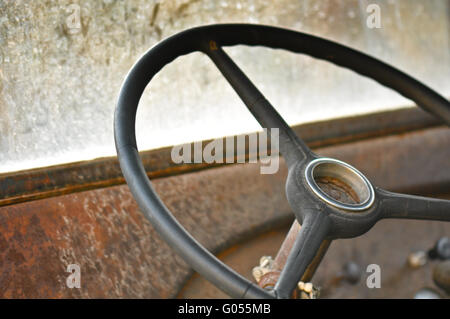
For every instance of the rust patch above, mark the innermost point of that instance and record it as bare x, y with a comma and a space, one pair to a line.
118, 251
337, 190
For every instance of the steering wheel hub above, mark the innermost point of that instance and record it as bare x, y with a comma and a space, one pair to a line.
339, 184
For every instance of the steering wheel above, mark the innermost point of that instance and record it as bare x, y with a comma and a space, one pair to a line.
322, 216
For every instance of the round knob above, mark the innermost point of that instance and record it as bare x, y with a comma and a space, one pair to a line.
441, 250
352, 272
427, 293
441, 275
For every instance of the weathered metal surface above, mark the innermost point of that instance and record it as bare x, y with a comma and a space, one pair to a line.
350, 129
120, 254
64, 179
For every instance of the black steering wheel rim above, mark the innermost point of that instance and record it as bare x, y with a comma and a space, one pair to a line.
205, 39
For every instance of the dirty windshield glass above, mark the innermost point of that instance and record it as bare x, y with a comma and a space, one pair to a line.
62, 64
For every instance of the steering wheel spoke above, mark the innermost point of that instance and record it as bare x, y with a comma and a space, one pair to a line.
395, 205
309, 239
291, 147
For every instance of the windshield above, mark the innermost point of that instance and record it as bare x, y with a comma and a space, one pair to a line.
61, 67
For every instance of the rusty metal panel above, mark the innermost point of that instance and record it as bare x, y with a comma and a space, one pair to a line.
120, 254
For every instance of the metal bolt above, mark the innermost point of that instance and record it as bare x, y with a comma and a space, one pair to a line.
257, 273
307, 290
417, 259
308, 287
265, 261
265, 266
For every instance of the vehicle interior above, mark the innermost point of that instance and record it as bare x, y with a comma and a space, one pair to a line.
135, 137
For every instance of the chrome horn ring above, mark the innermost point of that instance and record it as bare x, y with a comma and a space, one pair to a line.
348, 178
